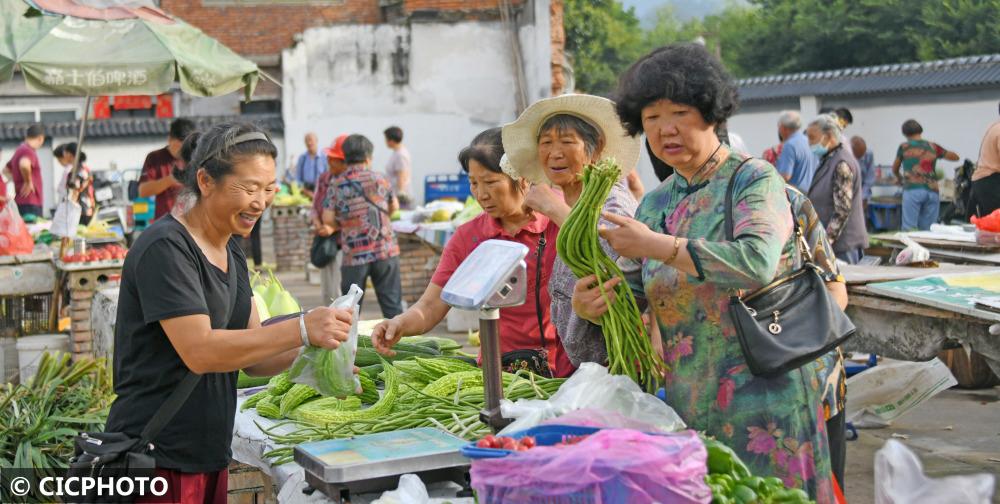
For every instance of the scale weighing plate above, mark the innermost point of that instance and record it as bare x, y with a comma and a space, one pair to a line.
374, 462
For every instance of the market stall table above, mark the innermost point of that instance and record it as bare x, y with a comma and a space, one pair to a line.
250, 443
955, 249
893, 323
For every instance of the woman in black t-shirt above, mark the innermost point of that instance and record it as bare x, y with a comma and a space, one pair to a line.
173, 306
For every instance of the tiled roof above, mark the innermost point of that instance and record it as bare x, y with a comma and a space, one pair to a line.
956, 73
138, 126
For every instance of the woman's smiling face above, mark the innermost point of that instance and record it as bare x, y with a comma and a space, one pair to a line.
240, 197
563, 154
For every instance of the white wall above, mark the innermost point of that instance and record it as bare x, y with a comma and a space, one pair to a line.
461, 82
956, 120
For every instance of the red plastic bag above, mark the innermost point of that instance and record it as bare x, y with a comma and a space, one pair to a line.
989, 222
14, 236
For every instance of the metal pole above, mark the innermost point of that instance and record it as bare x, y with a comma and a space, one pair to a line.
489, 336
79, 137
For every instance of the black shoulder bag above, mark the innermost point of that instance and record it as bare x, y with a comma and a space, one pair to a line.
534, 360
790, 322
323, 250
116, 454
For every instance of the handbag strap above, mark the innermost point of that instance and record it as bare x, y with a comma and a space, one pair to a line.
730, 234
538, 289
166, 412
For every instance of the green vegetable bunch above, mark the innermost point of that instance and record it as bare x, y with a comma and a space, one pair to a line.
630, 351
732, 483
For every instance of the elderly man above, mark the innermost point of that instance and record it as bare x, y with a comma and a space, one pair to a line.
310, 165
796, 162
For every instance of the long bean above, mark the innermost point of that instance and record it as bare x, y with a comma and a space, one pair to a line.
630, 351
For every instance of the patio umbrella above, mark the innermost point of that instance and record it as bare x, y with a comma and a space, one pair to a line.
85, 51
72, 56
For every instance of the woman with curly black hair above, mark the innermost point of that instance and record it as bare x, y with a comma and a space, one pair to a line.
677, 95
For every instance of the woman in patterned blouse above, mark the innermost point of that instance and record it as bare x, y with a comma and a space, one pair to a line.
676, 95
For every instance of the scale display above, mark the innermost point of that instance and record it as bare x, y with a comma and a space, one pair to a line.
494, 275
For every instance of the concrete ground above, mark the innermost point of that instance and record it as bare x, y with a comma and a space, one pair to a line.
955, 432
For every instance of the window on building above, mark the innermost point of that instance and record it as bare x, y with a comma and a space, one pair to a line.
150, 112
37, 115
48, 116
17, 117
261, 107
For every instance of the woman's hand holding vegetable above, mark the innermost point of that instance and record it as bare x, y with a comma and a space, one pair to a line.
589, 302
328, 327
386, 334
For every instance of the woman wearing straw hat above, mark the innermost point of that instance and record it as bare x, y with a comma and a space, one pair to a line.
550, 143
528, 338
676, 95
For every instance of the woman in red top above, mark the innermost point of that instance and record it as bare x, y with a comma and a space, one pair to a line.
504, 217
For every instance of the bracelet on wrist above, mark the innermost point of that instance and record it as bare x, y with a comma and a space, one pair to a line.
302, 330
677, 249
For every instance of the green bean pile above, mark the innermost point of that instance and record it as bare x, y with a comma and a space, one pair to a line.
457, 413
630, 351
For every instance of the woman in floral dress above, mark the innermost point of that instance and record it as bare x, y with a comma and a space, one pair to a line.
676, 95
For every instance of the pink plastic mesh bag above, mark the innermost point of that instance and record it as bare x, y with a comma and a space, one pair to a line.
610, 466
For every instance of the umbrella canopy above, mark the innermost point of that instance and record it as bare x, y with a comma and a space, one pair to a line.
70, 56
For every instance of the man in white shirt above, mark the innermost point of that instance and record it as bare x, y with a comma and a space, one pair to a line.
398, 167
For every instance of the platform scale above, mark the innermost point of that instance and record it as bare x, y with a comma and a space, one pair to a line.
492, 277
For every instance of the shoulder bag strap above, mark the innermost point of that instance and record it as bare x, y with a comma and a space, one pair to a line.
166, 412
729, 200
538, 288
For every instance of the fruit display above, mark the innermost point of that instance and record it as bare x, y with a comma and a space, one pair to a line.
97, 230
293, 198
97, 254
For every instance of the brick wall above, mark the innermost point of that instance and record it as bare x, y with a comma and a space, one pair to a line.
558, 47
292, 237
259, 29
417, 262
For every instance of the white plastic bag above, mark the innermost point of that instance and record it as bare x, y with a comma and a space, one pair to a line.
900, 479
337, 366
410, 491
913, 253
594, 388
885, 392
66, 219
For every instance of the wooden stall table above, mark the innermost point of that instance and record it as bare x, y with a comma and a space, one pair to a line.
898, 324
950, 250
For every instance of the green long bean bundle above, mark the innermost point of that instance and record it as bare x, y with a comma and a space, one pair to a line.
630, 351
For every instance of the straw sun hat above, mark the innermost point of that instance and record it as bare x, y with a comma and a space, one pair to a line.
520, 138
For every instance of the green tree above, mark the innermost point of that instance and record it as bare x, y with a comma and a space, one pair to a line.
602, 40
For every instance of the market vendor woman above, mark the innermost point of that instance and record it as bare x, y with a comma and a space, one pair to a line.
676, 95
174, 298
505, 216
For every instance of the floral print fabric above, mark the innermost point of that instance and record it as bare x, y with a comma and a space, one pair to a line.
777, 424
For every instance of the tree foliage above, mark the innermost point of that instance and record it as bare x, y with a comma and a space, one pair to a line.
784, 36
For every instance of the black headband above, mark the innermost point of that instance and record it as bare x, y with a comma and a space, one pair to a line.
246, 137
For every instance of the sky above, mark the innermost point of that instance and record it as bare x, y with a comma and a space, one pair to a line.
645, 10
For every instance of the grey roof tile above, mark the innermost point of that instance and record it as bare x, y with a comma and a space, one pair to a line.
965, 72
137, 126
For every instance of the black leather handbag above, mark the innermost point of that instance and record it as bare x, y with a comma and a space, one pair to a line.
790, 322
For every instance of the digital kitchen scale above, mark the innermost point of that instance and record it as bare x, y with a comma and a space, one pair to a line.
374, 462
